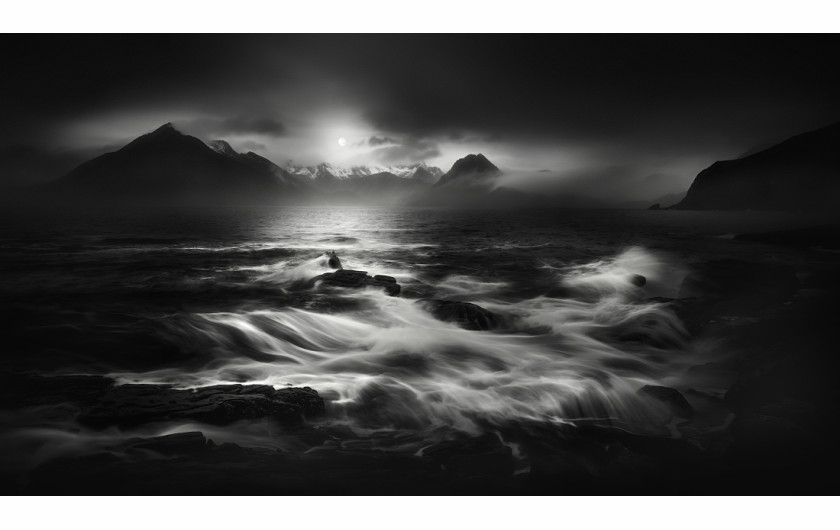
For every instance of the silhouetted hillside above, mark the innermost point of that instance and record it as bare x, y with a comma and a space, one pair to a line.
801, 173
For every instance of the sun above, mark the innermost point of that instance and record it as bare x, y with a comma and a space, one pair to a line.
342, 141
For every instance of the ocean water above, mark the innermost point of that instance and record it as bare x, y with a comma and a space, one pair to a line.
209, 297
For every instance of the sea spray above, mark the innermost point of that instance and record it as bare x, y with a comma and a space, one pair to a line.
390, 365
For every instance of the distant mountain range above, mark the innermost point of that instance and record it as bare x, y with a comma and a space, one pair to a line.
801, 173
328, 172
166, 166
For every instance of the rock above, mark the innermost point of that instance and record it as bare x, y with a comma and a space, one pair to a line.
344, 278
348, 278
638, 280
219, 405
671, 397
655, 207
465, 314
172, 444
333, 260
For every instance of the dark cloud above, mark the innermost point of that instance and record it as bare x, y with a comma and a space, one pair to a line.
239, 125
249, 145
409, 150
380, 140
22, 165
644, 101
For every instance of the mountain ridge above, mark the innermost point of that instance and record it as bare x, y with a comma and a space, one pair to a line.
800, 173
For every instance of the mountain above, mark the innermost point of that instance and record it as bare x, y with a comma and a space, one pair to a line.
472, 182
327, 173
801, 173
166, 166
663, 202
261, 163
365, 184
471, 171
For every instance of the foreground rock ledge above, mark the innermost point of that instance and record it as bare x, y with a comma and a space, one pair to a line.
219, 405
102, 403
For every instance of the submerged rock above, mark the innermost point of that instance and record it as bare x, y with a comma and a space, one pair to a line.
221, 404
348, 278
671, 397
465, 314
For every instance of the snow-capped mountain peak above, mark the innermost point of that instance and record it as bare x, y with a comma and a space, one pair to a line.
328, 171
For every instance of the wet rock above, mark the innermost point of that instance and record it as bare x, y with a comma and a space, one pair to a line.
671, 397
465, 314
638, 280
345, 278
222, 404
656, 206
172, 444
353, 279
333, 261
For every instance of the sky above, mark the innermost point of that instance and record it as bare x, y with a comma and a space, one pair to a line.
630, 116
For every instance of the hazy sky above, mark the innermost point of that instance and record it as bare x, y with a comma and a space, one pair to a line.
634, 115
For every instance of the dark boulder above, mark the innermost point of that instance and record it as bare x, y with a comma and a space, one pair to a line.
670, 397
221, 404
638, 280
465, 314
656, 206
353, 279
333, 261
345, 278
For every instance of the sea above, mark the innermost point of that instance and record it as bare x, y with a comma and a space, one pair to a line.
217, 296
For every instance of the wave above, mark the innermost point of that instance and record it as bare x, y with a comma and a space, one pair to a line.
388, 364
